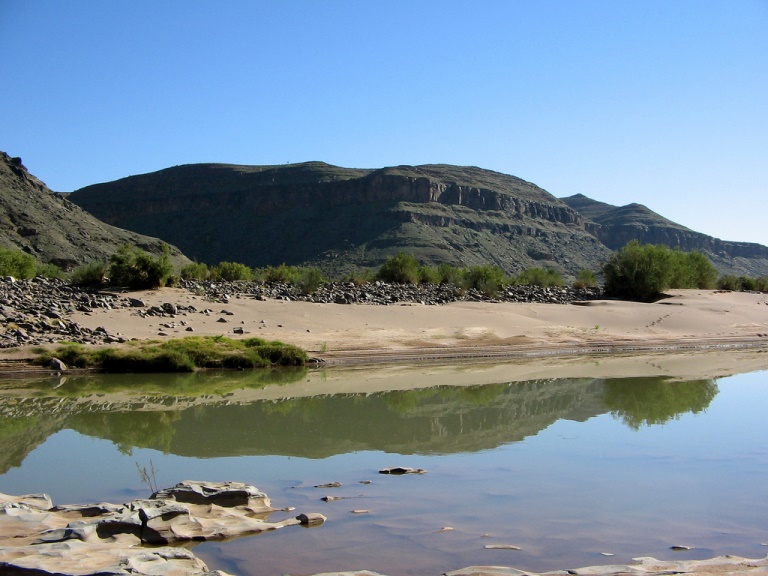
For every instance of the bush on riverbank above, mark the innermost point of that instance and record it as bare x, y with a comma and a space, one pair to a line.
180, 355
642, 272
488, 279
743, 283
22, 265
133, 267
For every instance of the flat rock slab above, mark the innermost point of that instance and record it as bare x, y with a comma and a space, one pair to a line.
645, 566
40, 539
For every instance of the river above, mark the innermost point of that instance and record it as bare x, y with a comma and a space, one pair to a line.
572, 471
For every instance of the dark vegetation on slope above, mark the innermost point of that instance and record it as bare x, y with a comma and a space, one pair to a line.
52, 229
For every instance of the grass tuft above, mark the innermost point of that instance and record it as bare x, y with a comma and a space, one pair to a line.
180, 355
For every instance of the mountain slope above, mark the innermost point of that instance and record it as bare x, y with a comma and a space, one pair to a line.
53, 229
339, 218
617, 225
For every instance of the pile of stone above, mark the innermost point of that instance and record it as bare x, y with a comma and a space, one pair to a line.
36, 311
382, 293
39, 538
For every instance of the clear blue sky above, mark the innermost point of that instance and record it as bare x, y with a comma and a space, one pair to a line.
661, 102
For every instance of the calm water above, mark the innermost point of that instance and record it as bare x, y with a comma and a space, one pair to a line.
566, 469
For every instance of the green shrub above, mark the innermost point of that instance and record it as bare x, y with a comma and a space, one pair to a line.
748, 284
451, 275
231, 272
90, 274
429, 275
743, 283
195, 271
400, 269
133, 267
643, 272
359, 277
638, 272
729, 282
486, 279
282, 273
309, 280
545, 277
50, 271
180, 355
17, 264
691, 270
585, 279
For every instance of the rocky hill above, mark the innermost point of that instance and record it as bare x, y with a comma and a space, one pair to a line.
53, 229
339, 218
617, 225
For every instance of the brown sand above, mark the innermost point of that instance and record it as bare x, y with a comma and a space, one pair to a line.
693, 320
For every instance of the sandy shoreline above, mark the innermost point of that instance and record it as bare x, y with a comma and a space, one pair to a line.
692, 321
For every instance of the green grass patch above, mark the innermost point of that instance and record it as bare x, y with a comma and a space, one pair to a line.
180, 355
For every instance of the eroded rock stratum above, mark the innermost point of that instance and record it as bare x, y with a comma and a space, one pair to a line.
39, 538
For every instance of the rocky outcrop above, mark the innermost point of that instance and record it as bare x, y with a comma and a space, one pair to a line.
49, 227
38, 538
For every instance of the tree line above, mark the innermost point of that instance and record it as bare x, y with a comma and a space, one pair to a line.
639, 272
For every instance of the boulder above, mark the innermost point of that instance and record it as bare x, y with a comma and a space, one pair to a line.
58, 365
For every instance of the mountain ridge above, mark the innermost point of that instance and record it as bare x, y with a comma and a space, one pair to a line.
48, 226
339, 218
617, 225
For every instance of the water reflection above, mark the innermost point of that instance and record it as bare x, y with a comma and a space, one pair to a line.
215, 414
646, 401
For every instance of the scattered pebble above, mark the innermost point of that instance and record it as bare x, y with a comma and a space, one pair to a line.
446, 529
502, 547
607, 554
361, 511
680, 548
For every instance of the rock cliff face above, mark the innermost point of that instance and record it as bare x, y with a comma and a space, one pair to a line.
313, 213
53, 229
617, 225
341, 218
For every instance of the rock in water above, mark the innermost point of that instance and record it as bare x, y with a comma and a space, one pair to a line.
37, 538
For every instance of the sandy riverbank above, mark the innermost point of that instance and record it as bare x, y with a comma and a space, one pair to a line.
693, 320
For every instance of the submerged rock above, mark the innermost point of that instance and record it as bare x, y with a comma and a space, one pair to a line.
399, 470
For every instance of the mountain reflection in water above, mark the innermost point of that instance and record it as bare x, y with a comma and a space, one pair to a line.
212, 415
